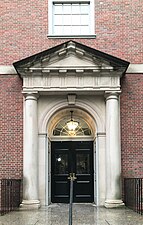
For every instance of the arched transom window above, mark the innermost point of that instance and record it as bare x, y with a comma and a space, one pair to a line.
69, 126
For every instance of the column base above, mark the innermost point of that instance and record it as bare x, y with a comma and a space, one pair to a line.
29, 205
113, 203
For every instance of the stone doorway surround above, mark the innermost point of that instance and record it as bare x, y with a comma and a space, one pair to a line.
71, 69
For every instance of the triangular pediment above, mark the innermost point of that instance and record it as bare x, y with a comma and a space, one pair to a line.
71, 56
70, 60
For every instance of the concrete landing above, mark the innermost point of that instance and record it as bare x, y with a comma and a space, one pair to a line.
83, 214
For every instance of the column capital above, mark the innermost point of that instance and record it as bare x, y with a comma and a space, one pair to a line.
112, 95
31, 95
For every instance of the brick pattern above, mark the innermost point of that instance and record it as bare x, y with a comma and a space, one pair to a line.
132, 125
24, 29
11, 127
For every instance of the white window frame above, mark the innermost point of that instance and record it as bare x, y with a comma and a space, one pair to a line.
92, 19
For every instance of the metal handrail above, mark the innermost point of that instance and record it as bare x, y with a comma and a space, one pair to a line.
71, 202
72, 178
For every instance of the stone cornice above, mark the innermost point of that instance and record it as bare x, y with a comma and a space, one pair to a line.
135, 68
10, 70
7, 70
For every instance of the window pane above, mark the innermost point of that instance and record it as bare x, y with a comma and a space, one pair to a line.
85, 9
58, 30
58, 9
61, 164
76, 20
67, 19
84, 20
66, 8
75, 30
75, 9
58, 20
82, 163
84, 30
61, 127
67, 30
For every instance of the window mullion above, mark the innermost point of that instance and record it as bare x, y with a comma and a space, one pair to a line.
80, 17
62, 27
71, 19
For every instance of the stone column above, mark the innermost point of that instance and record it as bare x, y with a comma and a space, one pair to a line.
100, 167
113, 152
30, 154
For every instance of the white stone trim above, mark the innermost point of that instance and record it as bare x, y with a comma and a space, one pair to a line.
92, 109
7, 70
70, 36
45, 117
133, 68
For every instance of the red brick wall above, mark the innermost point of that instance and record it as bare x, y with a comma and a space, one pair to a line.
24, 29
132, 125
23, 32
11, 127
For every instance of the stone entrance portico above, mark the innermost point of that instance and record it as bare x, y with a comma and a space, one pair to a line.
50, 80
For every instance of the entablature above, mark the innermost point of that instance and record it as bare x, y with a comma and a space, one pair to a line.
71, 66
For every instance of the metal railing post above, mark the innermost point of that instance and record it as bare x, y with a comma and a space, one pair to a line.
71, 201
72, 178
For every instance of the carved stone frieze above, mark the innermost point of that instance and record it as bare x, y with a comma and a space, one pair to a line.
75, 81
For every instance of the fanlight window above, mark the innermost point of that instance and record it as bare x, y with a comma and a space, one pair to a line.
72, 127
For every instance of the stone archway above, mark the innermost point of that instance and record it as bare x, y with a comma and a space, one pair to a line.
92, 115
79, 145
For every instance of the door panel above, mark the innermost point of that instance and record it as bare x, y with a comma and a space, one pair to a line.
83, 191
60, 172
72, 157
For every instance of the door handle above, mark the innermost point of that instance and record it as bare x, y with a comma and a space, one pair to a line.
72, 177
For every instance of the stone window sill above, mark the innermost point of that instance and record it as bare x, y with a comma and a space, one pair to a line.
71, 36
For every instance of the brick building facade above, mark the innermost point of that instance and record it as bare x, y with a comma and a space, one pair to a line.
24, 34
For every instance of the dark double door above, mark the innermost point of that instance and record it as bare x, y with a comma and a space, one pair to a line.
72, 157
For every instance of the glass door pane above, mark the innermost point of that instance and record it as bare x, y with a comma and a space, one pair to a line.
82, 163
61, 164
